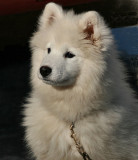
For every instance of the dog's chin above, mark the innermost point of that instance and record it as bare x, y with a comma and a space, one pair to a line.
61, 83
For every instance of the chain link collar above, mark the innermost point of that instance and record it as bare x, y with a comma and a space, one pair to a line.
79, 147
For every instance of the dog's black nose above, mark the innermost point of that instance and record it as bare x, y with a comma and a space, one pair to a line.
45, 71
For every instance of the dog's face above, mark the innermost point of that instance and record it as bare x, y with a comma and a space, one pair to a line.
60, 64
63, 43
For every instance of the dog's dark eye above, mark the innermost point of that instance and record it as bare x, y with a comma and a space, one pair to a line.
69, 55
48, 50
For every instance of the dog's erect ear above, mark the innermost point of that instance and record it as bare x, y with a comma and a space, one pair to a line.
89, 24
51, 13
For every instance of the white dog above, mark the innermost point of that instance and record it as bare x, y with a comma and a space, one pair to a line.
78, 80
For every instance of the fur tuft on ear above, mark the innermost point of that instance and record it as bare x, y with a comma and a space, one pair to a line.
89, 23
51, 12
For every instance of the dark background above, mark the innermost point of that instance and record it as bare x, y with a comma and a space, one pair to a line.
15, 31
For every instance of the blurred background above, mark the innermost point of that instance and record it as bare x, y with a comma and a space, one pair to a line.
18, 20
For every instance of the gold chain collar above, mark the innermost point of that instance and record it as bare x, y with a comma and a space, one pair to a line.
79, 147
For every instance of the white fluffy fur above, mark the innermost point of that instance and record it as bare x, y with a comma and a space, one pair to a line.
97, 99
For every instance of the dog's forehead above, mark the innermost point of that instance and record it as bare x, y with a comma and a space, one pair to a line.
65, 32
58, 48
64, 29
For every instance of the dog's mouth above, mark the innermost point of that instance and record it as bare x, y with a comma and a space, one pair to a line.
56, 83
59, 83
50, 82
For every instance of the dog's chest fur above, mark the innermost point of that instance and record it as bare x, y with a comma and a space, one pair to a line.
50, 137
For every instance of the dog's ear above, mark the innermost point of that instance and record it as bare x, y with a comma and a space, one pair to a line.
90, 25
51, 13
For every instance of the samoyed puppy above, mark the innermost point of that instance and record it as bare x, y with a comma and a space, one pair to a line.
80, 107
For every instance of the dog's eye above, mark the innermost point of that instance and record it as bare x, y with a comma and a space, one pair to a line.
69, 55
48, 50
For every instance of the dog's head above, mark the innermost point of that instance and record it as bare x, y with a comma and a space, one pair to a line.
68, 47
